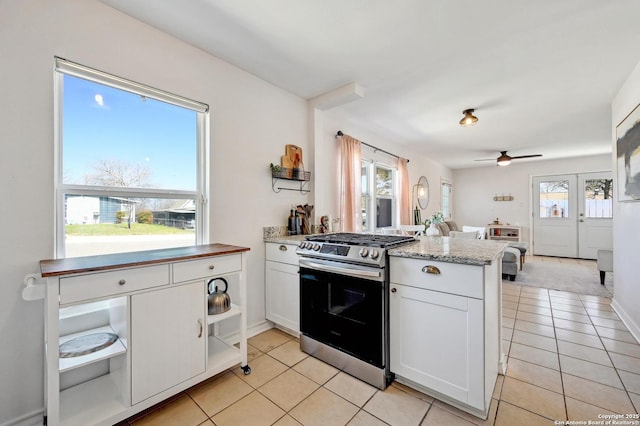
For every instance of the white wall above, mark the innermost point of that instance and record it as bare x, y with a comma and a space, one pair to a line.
326, 171
251, 121
474, 189
626, 223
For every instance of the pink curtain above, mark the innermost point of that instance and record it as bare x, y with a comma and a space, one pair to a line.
350, 184
405, 192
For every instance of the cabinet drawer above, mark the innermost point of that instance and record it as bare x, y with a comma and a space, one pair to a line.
283, 253
84, 287
208, 267
454, 278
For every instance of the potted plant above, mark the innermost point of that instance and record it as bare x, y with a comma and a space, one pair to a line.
430, 223
275, 170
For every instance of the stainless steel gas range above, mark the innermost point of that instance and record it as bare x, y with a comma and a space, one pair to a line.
344, 302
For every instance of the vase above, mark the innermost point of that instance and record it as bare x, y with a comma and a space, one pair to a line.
432, 230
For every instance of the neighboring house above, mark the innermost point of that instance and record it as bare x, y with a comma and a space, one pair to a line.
180, 215
82, 209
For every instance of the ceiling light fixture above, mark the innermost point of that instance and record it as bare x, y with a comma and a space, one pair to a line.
504, 159
469, 119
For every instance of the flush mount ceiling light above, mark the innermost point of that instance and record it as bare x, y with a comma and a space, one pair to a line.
469, 119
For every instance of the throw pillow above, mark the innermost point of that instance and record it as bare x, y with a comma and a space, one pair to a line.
444, 229
452, 225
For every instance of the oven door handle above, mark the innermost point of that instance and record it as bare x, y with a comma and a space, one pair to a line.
353, 271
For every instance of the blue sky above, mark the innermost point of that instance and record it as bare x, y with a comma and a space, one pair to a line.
103, 123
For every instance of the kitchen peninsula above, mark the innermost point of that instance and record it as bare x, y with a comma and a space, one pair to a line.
445, 319
444, 298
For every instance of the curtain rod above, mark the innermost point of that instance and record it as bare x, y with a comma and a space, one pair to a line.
375, 148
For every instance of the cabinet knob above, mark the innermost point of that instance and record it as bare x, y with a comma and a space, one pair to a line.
393, 290
430, 269
283, 247
212, 267
122, 282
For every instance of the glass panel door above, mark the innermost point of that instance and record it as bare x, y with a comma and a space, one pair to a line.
555, 216
572, 214
595, 224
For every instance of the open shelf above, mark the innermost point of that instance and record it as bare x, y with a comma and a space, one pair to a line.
117, 348
91, 402
290, 175
235, 310
222, 355
504, 232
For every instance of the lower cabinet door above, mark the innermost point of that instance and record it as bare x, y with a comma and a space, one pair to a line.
283, 294
436, 340
168, 333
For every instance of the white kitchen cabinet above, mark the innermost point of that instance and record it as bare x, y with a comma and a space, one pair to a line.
168, 332
155, 302
433, 336
445, 330
282, 292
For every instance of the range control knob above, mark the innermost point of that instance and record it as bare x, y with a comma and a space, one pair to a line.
302, 245
316, 247
364, 252
374, 254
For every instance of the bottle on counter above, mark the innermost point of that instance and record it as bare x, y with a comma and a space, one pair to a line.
297, 230
291, 224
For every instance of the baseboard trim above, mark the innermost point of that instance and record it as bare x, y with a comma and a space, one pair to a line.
253, 330
33, 418
258, 328
626, 319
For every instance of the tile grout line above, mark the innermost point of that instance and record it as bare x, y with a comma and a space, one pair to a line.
555, 336
613, 364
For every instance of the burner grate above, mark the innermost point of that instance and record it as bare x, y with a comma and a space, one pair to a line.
354, 239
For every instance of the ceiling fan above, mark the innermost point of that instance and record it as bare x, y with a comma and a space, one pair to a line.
505, 160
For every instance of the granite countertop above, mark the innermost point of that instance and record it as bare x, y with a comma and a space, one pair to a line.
453, 250
285, 239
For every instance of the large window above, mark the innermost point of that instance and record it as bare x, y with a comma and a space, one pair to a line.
379, 206
130, 165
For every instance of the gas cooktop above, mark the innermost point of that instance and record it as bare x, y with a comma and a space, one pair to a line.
355, 239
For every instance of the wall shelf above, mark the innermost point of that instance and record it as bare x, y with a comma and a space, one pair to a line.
503, 198
284, 174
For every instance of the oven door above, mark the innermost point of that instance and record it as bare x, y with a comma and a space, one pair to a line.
343, 311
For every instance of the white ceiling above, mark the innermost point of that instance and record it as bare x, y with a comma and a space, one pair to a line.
540, 74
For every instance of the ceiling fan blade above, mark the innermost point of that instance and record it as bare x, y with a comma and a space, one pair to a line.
486, 159
526, 156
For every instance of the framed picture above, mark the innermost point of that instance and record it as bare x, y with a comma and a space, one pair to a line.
628, 157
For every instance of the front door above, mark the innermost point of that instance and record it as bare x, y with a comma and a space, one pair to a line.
555, 216
595, 221
572, 214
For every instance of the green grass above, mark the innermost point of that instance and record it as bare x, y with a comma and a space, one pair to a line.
123, 229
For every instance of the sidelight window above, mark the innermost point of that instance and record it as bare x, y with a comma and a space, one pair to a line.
130, 165
445, 192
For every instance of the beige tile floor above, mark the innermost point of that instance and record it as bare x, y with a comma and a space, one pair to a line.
570, 358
